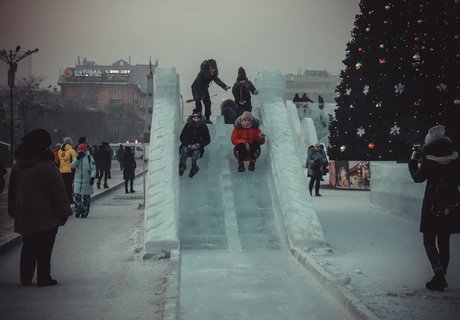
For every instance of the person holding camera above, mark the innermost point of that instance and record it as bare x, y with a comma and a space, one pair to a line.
438, 164
194, 137
85, 173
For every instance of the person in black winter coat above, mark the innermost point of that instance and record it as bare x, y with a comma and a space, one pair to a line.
104, 158
129, 166
208, 72
194, 137
242, 90
437, 163
38, 202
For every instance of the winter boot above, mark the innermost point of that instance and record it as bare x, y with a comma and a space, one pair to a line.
98, 185
132, 191
126, 190
106, 186
252, 165
193, 171
182, 168
437, 283
317, 194
241, 166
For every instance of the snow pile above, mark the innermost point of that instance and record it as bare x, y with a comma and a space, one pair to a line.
300, 219
162, 181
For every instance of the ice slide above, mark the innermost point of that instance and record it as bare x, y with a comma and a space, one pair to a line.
220, 208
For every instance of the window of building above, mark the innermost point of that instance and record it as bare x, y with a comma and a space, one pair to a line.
92, 94
115, 95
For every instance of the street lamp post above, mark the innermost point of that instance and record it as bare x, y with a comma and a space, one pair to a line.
12, 58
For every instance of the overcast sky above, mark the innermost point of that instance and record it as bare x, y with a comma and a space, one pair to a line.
256, 34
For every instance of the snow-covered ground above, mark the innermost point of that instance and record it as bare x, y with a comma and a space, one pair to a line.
378, 255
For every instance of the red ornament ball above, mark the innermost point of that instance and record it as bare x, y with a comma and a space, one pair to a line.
371, 145
382, 61
417, 39
386, 21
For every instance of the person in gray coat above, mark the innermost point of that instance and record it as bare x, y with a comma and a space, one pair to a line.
38, 202
85, 173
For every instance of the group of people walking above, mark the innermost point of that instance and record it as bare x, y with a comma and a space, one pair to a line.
43, 184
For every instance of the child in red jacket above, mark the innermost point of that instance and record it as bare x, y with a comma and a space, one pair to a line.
247, 138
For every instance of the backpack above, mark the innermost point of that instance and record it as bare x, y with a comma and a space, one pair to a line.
317, 164
446, 197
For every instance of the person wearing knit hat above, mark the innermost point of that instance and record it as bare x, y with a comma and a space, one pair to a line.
247, 139
242, 90
38, 202
438, 164
85, 173
194, 137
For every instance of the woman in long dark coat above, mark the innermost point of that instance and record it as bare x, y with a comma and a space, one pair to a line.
38, 202
129, 166
438, 160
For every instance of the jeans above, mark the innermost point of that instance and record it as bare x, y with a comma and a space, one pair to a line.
438, 256
184, 153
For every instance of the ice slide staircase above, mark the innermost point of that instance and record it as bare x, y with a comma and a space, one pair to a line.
220, 208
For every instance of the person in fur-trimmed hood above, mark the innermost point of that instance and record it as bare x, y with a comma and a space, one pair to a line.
439, 164
247, 138
194, 137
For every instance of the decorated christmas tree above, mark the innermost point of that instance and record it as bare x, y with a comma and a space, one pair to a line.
401, 77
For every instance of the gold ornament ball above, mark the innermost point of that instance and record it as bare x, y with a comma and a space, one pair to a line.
387, 7
342, 148
382, 46
416, 57
368, 29
457, 102
358, 65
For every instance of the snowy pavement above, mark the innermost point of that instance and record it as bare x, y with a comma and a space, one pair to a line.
379, 257
99, 266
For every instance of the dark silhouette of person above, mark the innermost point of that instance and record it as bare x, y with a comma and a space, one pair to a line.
38, 202
200, 86
437, 163
129, 167
242, 90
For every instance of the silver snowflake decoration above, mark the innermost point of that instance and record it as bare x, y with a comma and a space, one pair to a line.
399, 88
366, 89
441, 87
348, 91
361, 131
395, 130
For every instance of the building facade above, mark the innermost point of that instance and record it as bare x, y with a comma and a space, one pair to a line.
123, 92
